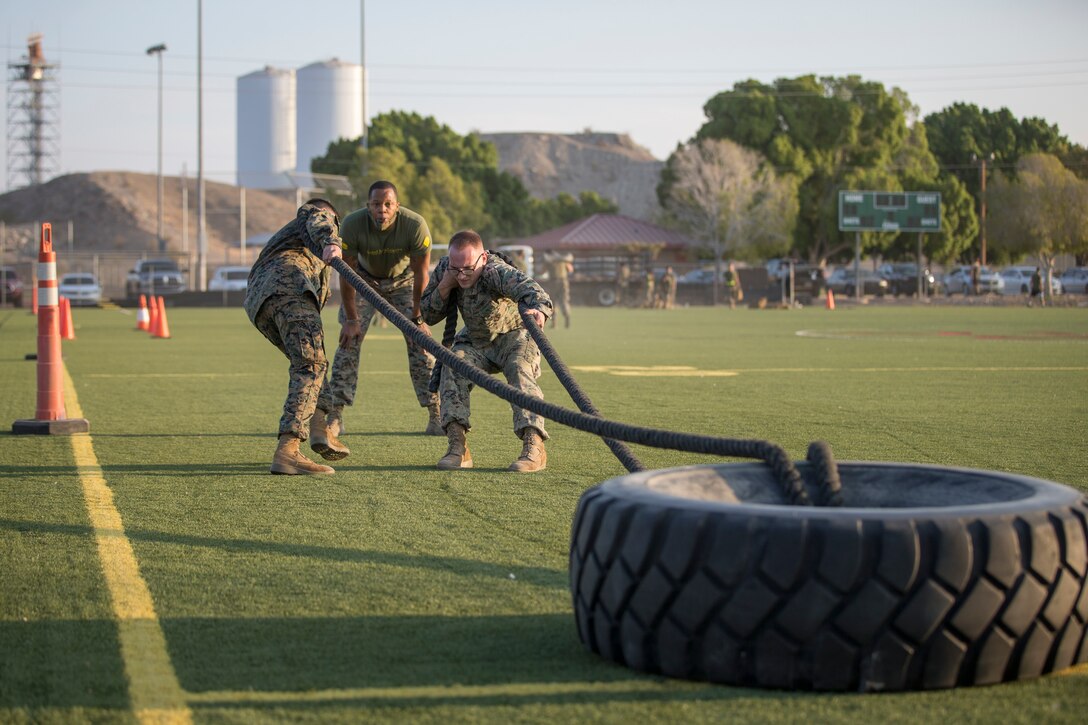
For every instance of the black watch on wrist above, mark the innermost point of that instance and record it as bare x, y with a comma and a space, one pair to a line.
418, 319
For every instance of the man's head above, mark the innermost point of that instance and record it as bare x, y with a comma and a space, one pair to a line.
324, 204
467, 257
382, 203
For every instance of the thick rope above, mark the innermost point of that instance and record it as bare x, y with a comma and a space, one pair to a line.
773, 455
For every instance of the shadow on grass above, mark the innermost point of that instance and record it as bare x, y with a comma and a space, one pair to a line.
539, 576
61, 663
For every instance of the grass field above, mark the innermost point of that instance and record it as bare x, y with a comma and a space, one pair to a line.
393, 591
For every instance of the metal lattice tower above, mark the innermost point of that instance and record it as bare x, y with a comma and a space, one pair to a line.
33, 118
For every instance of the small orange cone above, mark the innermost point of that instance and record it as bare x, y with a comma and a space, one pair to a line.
830, 300
143, 317
164, 326
67, 329
34, 300
152, 316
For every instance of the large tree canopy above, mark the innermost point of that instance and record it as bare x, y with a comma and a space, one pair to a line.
453, 180
1042, 211
830, 134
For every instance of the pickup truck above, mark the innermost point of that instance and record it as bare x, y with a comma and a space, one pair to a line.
154, 277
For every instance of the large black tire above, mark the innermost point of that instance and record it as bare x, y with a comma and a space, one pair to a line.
927, 578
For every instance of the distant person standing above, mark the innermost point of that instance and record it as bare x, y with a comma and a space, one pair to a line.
487, 292
623, 283
287, 287
668, 289
562, 266
1037, 289
732, 285
648, 290
390, 248
976, 277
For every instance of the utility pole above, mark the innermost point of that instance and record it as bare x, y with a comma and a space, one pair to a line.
157, 50
362, 63
201, 218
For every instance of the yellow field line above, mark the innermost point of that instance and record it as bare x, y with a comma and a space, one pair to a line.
154, 690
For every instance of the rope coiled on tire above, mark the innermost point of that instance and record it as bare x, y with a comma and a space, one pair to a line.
590, 421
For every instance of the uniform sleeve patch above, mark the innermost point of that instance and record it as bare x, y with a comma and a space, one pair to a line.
426, 242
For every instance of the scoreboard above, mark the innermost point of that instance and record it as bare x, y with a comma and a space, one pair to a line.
889, 211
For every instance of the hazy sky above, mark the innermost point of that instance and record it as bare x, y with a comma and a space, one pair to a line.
642, 68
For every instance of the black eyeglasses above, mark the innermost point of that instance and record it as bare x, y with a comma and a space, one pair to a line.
467, 270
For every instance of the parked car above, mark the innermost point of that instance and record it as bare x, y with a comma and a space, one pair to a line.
903, 278
81, 288
843, 281
155, 277
229, 279
1017, 281
958, 281
13, 286
703, 275
1075, 280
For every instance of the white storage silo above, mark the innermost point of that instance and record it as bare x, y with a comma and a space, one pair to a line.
329, 96
266, 138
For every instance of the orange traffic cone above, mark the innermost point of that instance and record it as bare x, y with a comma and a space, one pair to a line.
143, 317
152, 316
49, 417
67, 329
830, 300
34, 299
164, 326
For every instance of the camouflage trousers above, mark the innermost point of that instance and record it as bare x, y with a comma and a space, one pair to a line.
293, 324
344, 381
516, 356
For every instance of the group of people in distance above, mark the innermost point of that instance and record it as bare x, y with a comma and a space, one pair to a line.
389, 247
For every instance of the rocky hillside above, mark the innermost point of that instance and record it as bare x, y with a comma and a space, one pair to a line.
611, 164
117, 211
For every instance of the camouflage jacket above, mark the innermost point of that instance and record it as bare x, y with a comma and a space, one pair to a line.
290, 264
490, 307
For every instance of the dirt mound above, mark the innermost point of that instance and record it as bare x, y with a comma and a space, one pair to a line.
611, 164
117, 211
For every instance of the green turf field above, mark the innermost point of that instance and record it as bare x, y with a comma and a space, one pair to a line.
392, 591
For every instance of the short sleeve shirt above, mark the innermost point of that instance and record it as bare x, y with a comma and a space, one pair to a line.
385, 254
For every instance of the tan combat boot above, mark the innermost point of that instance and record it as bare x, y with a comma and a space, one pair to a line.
457, 455
323, 441
533, 456
334, 423
434, 425
289, 461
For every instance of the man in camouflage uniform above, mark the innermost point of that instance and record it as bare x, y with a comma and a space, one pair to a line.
389, 247
486, 292
288, 285
562, 266
668, 289
648, 289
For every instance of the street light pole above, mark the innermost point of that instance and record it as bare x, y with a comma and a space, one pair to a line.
157, 50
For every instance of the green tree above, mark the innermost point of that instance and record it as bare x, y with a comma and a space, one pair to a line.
1043, 211
452, 180
831, 134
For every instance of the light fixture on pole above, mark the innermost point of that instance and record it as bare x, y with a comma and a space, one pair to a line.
157, 50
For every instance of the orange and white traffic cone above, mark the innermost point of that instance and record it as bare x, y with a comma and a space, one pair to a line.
143, 317
49, 417
164, 326
152, 316
830, 300
34, 298
67, 329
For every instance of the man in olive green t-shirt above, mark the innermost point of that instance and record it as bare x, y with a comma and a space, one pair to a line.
390, 248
